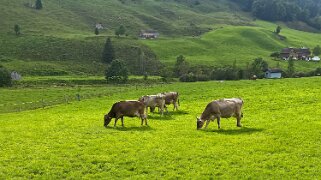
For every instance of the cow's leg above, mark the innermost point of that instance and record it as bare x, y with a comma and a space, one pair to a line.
146, 121
219, 122
175, 106
122, 121
207, 122
238, 119
116, 119
165, 108
161, 110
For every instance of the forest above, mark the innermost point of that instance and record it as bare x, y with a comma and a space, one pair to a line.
307, 11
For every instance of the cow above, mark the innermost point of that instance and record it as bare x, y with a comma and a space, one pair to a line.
222, 108
129, 108
153, 101
170, 98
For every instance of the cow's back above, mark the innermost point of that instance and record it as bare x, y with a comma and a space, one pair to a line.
227, 107
127, 108
170, 97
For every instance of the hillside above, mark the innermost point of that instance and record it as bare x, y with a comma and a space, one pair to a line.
60, 40
226, 44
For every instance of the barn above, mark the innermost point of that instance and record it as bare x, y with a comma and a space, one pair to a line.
274, 73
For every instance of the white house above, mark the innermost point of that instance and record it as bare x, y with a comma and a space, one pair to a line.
316, 58
273, 73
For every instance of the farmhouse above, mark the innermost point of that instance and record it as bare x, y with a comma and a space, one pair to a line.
273, 73
295, 53
99, 26
148, 34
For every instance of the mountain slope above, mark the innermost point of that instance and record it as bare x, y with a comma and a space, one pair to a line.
242, 44
59, 39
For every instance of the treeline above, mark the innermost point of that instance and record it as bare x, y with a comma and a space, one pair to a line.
254, 69
285, 10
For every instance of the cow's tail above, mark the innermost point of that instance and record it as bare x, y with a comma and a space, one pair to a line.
178, 99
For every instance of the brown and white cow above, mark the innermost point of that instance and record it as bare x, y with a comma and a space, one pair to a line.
153, 101
171, 98
126, 108
222, 108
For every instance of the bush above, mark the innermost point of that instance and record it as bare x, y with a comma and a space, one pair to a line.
117, 72
225, 73
5, 78
190, 77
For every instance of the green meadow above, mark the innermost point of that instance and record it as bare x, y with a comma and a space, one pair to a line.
280, 137
241, 44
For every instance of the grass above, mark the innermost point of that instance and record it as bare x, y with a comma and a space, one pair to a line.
59, 39
280, 136
242, 44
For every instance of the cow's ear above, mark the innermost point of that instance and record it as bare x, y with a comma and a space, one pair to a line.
197, 118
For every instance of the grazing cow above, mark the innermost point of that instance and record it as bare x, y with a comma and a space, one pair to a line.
222, 108
126, 108
170, 98
153, 101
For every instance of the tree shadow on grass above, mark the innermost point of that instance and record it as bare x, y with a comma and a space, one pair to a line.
135, 128
243, 130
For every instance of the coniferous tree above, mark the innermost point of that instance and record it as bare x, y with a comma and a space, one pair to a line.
16, 29
278, 29
96, 31
291, 67
38, 4
108, 53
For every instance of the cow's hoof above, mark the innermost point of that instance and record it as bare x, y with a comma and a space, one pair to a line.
239, 125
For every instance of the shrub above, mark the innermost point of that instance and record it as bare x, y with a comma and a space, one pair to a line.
117, 72
190, 77
5, 78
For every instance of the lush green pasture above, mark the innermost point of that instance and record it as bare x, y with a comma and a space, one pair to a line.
226, 44
280, 137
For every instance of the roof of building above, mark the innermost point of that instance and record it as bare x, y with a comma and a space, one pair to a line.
274, 70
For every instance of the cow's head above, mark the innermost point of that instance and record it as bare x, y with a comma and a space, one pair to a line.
107, 120
199, 123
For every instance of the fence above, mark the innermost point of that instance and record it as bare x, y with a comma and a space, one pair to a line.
64, 99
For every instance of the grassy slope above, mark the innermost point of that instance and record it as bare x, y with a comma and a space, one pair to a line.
280, 138
226, 44
56, 37
59, 39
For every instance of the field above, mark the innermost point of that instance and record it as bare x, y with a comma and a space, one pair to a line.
226, 44
280, 137
60, 39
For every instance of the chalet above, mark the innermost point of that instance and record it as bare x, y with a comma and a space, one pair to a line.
99, 26
148, 34
273, 73
295, 53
